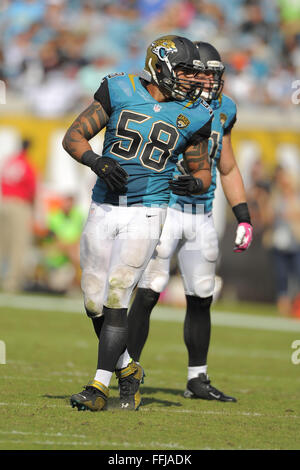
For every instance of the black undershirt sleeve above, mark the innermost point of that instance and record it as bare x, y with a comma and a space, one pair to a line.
201, 134
230, 126
102, 95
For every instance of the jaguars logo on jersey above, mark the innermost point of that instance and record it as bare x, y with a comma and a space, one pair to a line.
223, 118
182, 121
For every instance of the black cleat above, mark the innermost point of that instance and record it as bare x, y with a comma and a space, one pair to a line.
130, 378
93, 397
200, 387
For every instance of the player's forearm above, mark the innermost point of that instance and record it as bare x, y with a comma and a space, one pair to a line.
233, 186
85, 127
197, 161
230, 175
75, 143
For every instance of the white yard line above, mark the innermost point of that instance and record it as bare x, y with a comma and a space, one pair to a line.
99, 445
47, 434
32, 405
43, 303
71, 442
79, 444
75, 306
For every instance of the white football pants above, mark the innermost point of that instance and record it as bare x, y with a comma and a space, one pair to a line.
115, 247
195, 238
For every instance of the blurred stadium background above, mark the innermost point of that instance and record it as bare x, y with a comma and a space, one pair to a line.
53, 55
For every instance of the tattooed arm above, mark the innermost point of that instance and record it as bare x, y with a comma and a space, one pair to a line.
197, 162
86, 125
75, 142
199, 178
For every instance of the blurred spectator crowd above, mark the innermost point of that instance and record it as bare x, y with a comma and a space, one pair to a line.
53, 53
274, 202
39, 237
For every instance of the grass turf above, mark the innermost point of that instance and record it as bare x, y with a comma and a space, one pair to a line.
52, 354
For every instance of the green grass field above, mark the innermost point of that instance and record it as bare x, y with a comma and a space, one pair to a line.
51, 353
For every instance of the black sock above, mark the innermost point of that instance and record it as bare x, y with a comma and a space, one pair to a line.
113, 337
97, 321
139, 320
97, 324
197, 328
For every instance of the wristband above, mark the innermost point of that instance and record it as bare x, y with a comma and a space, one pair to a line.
241, 213
88, 158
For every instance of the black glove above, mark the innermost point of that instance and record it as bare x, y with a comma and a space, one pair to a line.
186, 185
107, 169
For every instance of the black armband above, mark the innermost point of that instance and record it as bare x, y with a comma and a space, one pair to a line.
88, 158
241, 213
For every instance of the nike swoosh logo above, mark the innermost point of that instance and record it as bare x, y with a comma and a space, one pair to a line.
152, 215
215, 396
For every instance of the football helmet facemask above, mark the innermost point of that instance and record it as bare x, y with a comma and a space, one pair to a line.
212, 63
165, 56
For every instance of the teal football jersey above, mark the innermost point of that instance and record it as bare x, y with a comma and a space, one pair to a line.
146, 137
224, 119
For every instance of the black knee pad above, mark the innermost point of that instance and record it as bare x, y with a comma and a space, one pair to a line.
97, 324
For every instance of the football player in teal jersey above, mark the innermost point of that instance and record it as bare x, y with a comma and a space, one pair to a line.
189, 228
150, 121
